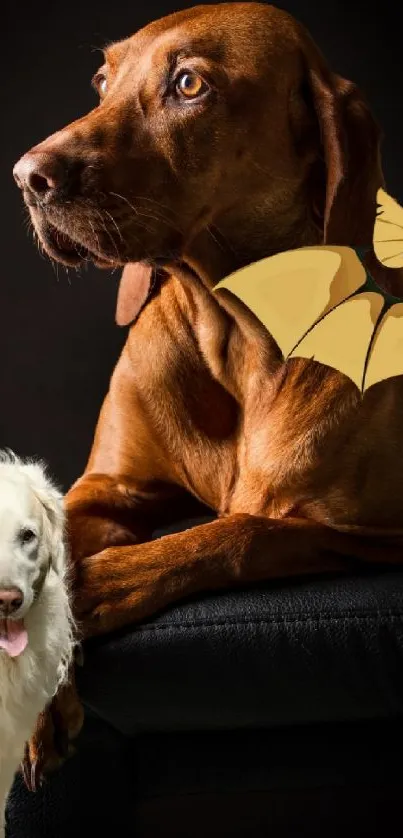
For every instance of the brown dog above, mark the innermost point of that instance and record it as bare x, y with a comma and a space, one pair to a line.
221, 137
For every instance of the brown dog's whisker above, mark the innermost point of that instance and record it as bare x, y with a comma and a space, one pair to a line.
95, 211
114, 223
94, 233
126, 200
90, 221
156, 203
273, 175
109, 235
140, 212
221, 240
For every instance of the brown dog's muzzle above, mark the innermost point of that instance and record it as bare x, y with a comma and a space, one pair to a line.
50, 182
41, 175
51, 185
89, 203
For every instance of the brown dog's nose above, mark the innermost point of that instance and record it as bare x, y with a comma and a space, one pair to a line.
11, 600
40, 172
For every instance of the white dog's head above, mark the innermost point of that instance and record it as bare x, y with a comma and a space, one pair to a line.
31, 542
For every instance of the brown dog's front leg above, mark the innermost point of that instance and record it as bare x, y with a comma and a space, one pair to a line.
58, 725
121, 585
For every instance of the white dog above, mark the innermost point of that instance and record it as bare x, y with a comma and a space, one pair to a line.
36, 628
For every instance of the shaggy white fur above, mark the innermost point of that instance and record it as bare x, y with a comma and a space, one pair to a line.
32, 561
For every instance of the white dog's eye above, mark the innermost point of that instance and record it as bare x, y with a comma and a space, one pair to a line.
27, 536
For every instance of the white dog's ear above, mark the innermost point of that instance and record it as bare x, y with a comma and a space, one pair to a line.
51, 500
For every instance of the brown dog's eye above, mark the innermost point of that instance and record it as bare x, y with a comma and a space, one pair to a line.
100, 83
190, 85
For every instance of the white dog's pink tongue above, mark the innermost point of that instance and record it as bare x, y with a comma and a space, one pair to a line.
13, 637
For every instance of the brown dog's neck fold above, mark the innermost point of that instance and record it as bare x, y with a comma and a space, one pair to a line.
236, 240
216, 252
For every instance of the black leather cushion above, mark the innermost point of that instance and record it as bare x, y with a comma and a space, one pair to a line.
274, 656
319, 780
312, 651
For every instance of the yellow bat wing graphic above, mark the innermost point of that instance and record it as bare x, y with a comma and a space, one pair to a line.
291, 291
385, 358
388, 231
342, 339
319, 303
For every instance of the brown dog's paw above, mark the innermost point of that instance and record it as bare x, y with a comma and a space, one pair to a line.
40, 752
51, 743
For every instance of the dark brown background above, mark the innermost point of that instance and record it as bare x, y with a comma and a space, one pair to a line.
58, 341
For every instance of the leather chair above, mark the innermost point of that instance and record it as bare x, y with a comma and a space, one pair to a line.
272, 711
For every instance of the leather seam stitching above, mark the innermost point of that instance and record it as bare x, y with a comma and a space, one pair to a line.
326, 619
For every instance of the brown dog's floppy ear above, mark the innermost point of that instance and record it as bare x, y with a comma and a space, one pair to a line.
135, 288
350, 140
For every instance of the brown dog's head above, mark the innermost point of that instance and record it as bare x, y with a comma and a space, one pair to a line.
219, 124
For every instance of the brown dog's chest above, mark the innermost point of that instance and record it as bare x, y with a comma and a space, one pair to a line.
323, 452
342, 470
242, 438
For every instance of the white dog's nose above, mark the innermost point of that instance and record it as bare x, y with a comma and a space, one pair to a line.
11, 600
